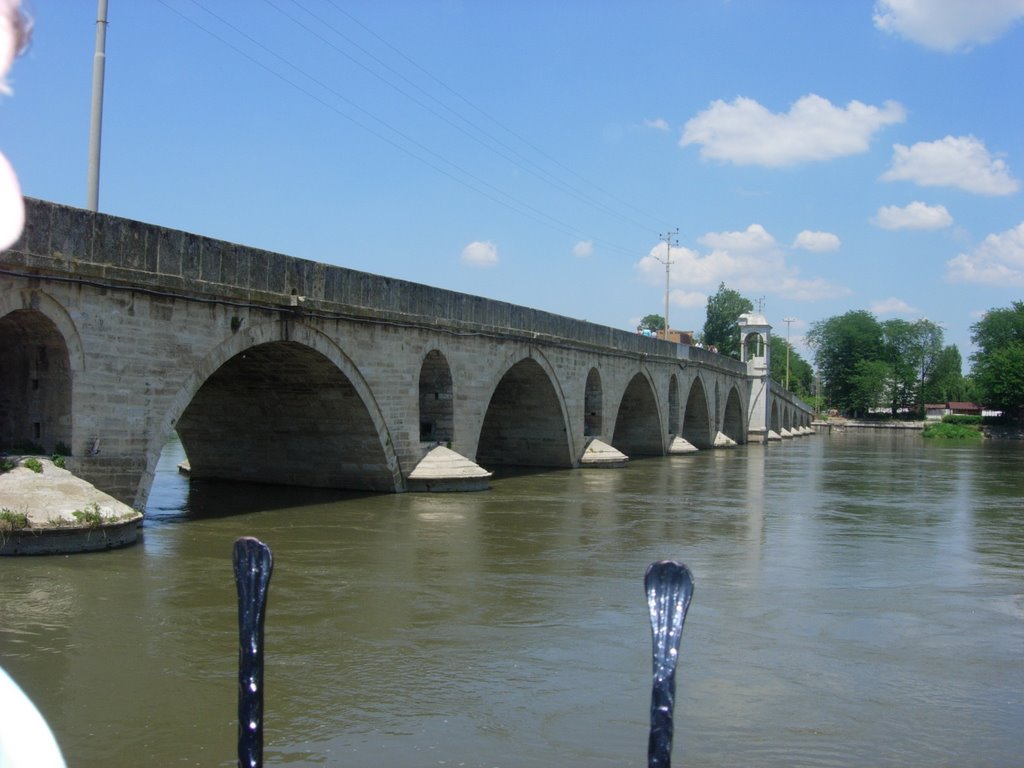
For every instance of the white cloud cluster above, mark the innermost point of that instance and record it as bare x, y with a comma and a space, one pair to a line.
955, 161
817, 242
744, 132
917, 215
999, 260
583, 249
948, 25
658, 124
480, 254
893, 306
750, 261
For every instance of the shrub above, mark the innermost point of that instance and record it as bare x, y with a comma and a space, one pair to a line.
952, 432
90, 516
960, 418
11, 520
34, 464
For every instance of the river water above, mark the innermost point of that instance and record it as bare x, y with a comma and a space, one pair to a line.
859, 601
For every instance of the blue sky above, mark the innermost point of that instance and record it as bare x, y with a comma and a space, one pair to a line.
821, 155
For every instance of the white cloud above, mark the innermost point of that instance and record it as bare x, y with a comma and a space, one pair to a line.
480, 254
754, 238
583, 248
917, 215
999, 260
659, 124
961, 161
750, 261
688, 299
818, 242
893, 306
948, 25
745, 133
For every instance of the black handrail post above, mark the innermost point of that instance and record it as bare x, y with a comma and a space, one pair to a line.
669, 587
253, 563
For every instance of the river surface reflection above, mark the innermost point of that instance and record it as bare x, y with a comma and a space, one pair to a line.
859, 601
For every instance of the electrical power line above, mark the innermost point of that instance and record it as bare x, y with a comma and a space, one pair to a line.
429, 157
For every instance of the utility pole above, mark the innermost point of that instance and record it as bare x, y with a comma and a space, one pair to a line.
96, 120
667, 261
787, 321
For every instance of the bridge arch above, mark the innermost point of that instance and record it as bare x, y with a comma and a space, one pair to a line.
436, 399
697, 422
638, 425
41, 352
593, 405
774, 422
733, 424
525, 422
280, 403
673, 405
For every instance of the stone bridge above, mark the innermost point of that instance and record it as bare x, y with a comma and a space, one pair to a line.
114, 333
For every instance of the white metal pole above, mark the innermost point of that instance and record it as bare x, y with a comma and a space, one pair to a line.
96, 120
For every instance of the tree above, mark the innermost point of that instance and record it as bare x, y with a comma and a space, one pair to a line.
900, 352
839, 344
998, 365
945, 381
801, 375
869, 386
721, 328
929, 337
652, 323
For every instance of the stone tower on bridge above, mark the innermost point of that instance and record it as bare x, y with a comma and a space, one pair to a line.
756, 352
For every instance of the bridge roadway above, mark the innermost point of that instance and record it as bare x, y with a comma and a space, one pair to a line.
114, 333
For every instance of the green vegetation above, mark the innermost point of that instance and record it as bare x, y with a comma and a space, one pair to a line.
34, 464
652, 323
946, 431
11, 520
801, 375
7, 464
998, 365
58, 460
895, 364
91, 515
962, 418
721, 329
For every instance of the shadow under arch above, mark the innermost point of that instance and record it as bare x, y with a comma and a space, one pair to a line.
733, 423
697, 423
638, 425
282, 404
525, 423
436, 398
40, 353
593, 404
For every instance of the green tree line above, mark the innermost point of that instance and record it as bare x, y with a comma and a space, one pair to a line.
902, 365
899, 365
895, 364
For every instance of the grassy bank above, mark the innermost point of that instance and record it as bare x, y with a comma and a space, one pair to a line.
945, 431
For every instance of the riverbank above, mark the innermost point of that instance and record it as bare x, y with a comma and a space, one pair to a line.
1014, 431
44, 509
839, 424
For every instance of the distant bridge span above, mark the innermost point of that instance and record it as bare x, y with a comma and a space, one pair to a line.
114, 333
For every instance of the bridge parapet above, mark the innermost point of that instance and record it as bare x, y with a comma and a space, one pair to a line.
81, 245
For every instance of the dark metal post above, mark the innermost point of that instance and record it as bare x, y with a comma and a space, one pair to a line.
253, 564
669, 587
